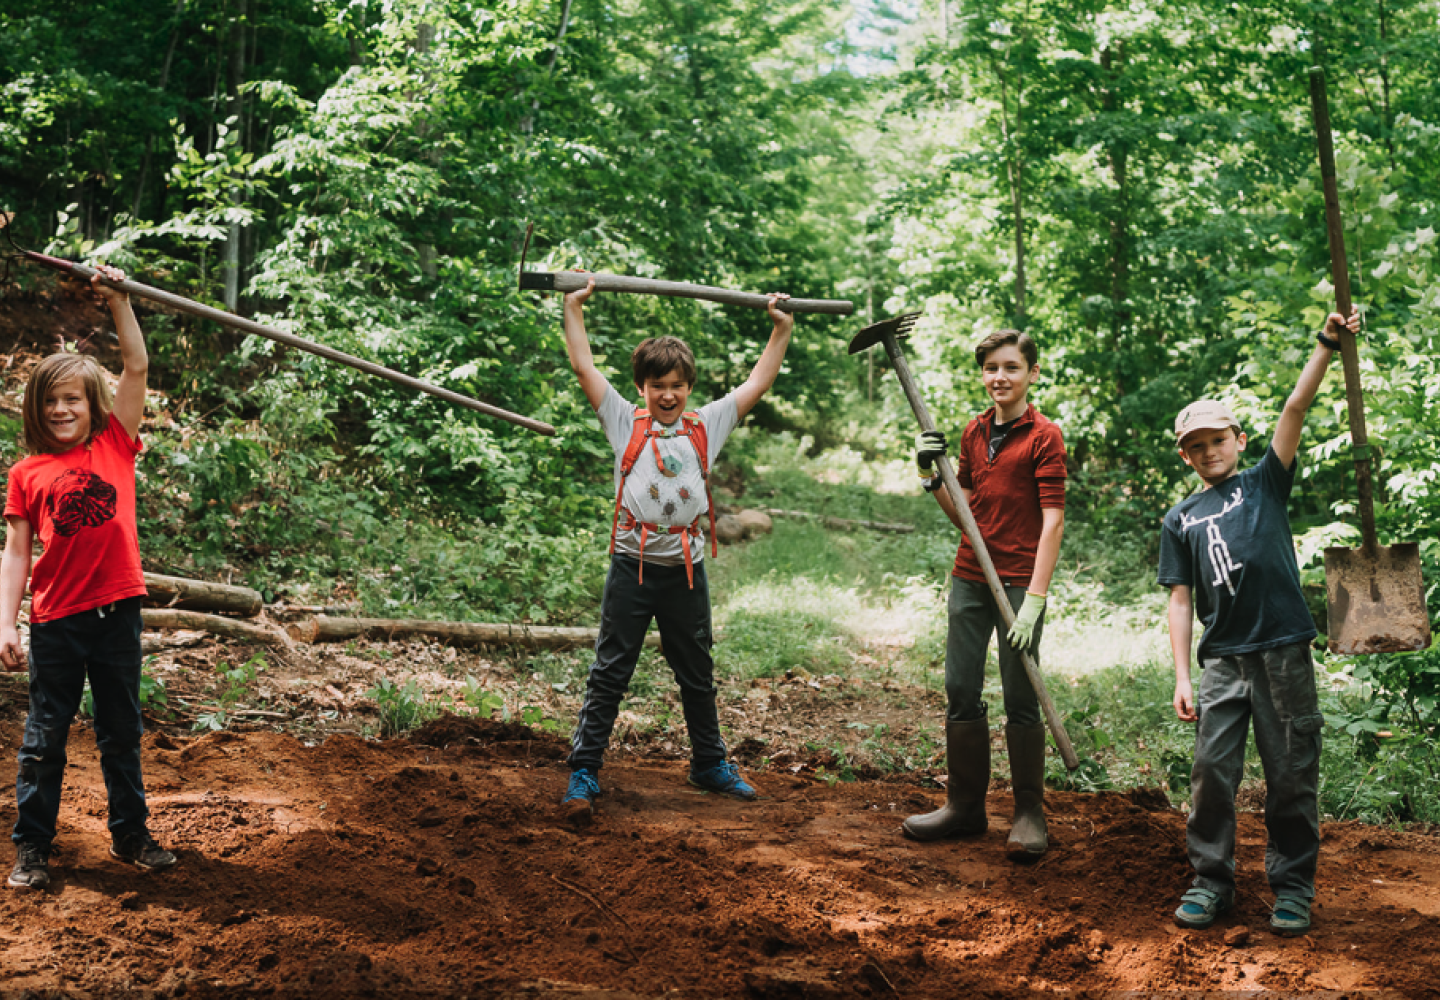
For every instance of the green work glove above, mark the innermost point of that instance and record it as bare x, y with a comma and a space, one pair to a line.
1025, 620
929, 446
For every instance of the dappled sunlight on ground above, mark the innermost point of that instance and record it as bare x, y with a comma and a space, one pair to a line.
1124, 638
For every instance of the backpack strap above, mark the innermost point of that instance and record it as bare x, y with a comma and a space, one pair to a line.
639, 433
700, 438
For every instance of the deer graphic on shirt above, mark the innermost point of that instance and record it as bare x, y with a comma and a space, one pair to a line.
1219, 552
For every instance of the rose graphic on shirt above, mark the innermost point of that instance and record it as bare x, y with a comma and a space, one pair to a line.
79, 499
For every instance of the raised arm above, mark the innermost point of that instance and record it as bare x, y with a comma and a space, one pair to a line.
130, 393
577, 346
1292, 419
763, 375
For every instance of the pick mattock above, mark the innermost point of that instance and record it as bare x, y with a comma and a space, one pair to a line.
889, 332
185, 305
573, 281
1375, 594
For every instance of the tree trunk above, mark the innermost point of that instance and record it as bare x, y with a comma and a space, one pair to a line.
229, 628
1014, 170
1110, 61
234, 115
527, 124
326, 629
179, 592
424, 38
164, 82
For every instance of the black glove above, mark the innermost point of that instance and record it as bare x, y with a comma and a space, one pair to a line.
929, 446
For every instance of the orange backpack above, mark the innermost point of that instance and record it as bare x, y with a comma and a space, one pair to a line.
692, 427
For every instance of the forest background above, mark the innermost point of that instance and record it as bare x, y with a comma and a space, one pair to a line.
1134, 184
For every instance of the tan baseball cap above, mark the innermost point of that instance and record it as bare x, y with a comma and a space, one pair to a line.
1204, 415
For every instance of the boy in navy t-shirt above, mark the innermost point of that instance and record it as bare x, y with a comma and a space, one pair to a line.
1227, 553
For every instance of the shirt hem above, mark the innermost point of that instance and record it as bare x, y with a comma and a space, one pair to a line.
1255, 647
90, 604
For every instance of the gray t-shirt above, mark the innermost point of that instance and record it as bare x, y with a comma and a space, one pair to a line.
652, 496
1231, 545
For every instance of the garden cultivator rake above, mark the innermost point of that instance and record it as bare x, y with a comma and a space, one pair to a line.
18, 253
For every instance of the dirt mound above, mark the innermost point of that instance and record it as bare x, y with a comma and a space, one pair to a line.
435, 866
503, 738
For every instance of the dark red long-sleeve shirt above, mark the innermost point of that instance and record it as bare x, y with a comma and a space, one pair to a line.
1007, 494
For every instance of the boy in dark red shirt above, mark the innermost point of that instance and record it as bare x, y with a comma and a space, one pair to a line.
1011, 468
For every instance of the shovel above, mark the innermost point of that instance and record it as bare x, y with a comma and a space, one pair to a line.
1375, 595
889, 332
185, 305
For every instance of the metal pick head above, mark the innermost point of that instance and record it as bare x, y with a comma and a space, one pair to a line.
896, 326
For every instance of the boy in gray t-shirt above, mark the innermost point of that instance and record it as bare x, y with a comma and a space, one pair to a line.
1226, 553
657, 571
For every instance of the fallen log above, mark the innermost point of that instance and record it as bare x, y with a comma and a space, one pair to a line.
200, 595
229, 628
324, 628
837, 523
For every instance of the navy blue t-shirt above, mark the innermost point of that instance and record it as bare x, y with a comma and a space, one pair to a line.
1231, 545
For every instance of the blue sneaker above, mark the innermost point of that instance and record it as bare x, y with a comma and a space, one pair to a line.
722, 779
579, 800
1200, 907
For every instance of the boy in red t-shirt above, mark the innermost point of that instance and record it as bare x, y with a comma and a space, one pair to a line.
1011, 468
76, 490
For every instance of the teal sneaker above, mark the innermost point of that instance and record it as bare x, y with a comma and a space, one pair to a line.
578, 805
1291, 915
722, 779
1199, 907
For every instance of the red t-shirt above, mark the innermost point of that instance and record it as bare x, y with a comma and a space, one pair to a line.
1006, 495
81, 505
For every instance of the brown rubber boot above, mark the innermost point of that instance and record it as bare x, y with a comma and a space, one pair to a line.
1028, 838
967, 758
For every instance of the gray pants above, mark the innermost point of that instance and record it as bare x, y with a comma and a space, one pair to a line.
1277, 688
974, 618
683, 617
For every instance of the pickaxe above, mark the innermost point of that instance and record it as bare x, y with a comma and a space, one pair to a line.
279, 336
573, 281
889, 332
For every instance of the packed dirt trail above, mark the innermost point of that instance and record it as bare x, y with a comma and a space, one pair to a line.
436, 866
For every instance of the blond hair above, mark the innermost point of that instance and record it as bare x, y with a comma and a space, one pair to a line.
51, 372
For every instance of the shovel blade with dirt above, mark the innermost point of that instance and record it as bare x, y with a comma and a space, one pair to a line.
1375, 594
1376, 600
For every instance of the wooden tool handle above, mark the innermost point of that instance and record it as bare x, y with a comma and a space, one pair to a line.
290, 340
573, 281
1340, 278
982, 555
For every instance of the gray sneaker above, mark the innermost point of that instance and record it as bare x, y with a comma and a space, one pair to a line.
141, 851
32, 867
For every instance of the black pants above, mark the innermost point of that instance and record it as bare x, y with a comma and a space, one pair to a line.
105, 643
683, 616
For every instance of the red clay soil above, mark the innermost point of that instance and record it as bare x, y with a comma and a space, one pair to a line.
436, 866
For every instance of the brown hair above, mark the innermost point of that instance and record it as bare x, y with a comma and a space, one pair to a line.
1001, 338
656, 357
51, 372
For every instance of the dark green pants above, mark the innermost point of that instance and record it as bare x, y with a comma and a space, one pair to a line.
974, 619
1276, 688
